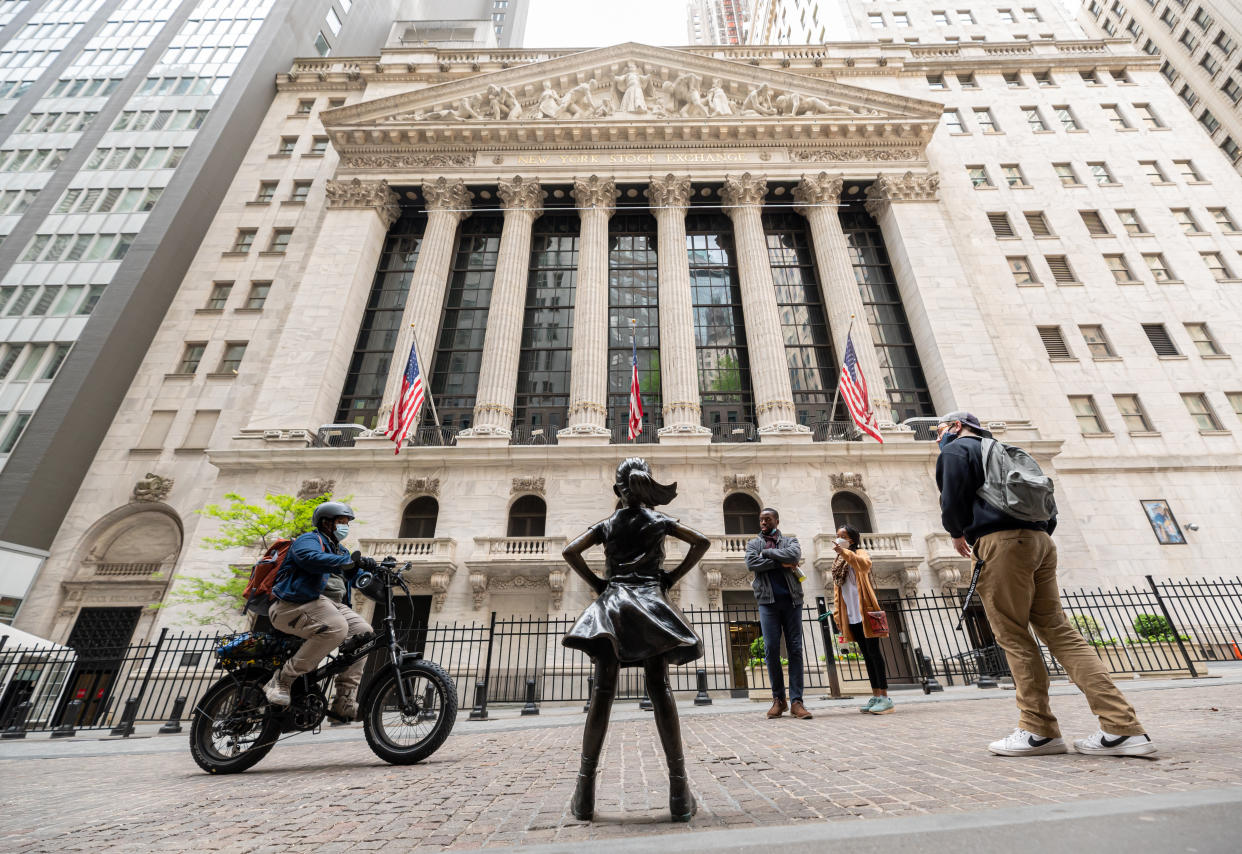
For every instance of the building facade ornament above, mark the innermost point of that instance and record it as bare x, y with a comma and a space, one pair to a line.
847, 480
821, 189
422, 486
743, 190
439, 583
405, 160
596, 193
910, 187
152, 488
556, 587
743, 482
356, 194
478, 588
315, 487
671, 191
521, 194
448, 196
528, 486
850, 153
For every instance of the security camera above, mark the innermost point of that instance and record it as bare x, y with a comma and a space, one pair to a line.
1191, 526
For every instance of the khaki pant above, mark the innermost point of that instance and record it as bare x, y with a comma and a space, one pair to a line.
1018, 587
324, 624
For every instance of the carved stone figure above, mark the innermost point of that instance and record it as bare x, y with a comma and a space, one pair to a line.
794, 104
549, 102
152, 488
758, 101
633, 85
685, 96
604, 110
315, 488
500, 103
580, 100
528, 485
718, 101
633, 623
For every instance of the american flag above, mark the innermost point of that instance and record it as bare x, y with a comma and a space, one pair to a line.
405, 411
636, 397
854, 392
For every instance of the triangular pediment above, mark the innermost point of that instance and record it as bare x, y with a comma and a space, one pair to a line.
638, 88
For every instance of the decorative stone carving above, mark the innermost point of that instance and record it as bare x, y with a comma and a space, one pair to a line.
821, 189
445, 195
685, 95
423, 486
521, 194
909, 580
793, 104
439, 589
847, 480
758, 102
315, 487
500, 103
580, 100
528, 486
671, 191
365, 194
556, 587
152, 488
519, 582
549, 102
744, 189
405, 161
596, 192
718, 103
908, 188
947, 579
848, 153
740, 481
714, 581
478, 588
633, 86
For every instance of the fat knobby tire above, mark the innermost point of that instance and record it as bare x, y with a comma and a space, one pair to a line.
433, 673
200, 730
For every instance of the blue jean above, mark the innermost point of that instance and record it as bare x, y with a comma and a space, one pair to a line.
775, 620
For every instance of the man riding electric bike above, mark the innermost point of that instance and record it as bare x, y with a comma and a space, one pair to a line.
311, 599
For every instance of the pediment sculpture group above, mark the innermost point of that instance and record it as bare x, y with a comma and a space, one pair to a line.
634, 94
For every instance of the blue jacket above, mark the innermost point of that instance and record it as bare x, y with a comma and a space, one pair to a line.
762, 560
312, 558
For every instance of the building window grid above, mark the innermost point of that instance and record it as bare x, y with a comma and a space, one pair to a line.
1215, 263
633, 293
1097, 342
1201, 412
1087, 414
1133, 415
1202, 338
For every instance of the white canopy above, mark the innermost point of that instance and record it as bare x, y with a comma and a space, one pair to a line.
16, 637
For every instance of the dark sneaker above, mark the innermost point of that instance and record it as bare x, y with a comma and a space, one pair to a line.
1103, 744
1023, 743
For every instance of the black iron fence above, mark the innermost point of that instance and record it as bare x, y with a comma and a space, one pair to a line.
1162, 627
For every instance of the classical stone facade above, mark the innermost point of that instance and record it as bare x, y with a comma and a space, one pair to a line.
726, 200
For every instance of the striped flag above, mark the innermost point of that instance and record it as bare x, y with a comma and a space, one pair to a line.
636, 397
405, 411
854, 391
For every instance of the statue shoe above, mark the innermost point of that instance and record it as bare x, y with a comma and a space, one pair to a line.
583, 803
681, 803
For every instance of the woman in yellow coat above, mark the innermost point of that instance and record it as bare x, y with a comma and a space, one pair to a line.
854, 597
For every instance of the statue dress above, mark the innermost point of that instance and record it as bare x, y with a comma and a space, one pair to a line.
631, 83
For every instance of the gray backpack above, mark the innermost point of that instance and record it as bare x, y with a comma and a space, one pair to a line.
1014, 484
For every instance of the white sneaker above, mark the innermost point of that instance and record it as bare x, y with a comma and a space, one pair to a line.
277, 691
1023, 743
1103, 744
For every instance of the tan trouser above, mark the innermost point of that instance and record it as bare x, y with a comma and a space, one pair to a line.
324, 624
1018, 587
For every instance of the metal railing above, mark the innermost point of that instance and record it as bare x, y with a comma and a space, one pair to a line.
835, 431
533, 435
734, 431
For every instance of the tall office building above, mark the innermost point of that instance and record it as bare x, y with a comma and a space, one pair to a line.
796, 22
717, 21
1199, 45
508, 17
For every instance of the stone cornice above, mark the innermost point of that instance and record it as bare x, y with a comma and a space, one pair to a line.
357, 194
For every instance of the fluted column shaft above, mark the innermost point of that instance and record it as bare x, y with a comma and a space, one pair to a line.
818, 196
679, 376
522, 200
588, 379
447, 204
765, 342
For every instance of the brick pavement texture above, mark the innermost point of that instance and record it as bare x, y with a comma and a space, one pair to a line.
498, 788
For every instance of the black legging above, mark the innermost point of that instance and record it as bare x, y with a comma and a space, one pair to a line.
872, 656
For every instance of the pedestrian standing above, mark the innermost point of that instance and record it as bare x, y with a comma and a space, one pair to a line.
774, 559
859, 614
1017, 584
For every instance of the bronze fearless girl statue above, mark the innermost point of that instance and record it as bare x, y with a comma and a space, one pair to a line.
632, 623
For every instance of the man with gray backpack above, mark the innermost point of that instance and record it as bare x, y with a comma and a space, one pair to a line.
998, 506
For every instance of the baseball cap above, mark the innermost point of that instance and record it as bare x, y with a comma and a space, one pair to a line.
968, 419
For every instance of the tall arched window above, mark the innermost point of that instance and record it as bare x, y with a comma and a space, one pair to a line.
741, 514
419, 518
849, 509
527, 517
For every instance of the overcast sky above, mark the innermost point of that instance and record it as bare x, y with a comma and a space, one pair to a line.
597, 23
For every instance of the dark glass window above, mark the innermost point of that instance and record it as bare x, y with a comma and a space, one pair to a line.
741, 514
527, 517
459, 352
719, 332
633, 292
542, 399
419, 518
808, 345
849, 509
381, 323
890, 329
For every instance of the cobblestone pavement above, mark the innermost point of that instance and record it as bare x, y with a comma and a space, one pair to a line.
492, 786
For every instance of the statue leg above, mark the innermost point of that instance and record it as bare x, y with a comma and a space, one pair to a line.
583, 803
680, 801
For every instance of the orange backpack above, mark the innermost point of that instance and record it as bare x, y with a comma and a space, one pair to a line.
258, 592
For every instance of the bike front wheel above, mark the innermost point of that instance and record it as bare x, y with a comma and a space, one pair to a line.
231, 729
403, 736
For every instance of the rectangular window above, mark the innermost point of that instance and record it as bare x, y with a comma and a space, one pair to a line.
1216, 266
267, 189
964, 16
319, 145
1089, 420
1043, 79
1188, 96
876, 20
1154, 171
1097, 342
1120, 269
1034, 120
1007, 16
1202, 19
941, 18
258, 295
1186, 220
1113, 113
191, 357
1066, 117
305, 106
1062, 273
1038, 223
1001, 227
244, 240
1089, 76
1196, 404
936, 81
1020, 266
1094, 223
1209, 121
1132, 413
219, 296
1055, 344
1012, 173
1160, 340
953, 121
300, 190
978, 176
1100, 173
1222, 218
1131, 222
1013, 80
1224, 43
1203, 340
967, 81
1065, 171
280, 239
30, 365
901, 19
322, 48
1209, 63
1148, 116
287, 145
1188, 170
1159, 267
14, 432
156, 431
1233, 89
985, 120
231, 359
1235, 400
198, 436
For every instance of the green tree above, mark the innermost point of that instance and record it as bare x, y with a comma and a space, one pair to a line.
246, 525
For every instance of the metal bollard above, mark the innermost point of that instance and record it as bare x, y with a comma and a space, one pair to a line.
125, 727
701, 698
530, 708
17, 724
174, 721
479, 712
69, 721
986, 680
590, 690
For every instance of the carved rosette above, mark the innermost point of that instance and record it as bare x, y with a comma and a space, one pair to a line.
907, 188
815, 190
528, 486
448, 196
521, 194
742, 191
357, 194
596, 193
671, 191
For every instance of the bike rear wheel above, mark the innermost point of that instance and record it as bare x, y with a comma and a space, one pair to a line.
405, 736
231, 729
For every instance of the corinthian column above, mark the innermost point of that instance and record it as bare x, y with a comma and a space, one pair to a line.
817, 197
679, 376
765, 342
522, 200
588, 377
332, 295
447, 203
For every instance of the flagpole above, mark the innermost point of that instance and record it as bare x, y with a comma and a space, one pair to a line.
634, 363
836, 394
422, 366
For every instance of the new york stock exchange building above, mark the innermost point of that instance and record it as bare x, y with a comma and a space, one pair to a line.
963, 212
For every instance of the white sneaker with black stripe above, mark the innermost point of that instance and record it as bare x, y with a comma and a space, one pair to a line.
1103, 744
1023, 743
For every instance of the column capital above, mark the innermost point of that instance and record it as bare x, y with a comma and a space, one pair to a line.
448, 196
907, 188
521, 194
671, 191
357, 194
596, 192
744, 190
815, 190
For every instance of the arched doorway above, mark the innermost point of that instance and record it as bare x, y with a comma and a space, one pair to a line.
419, 519
849, 509
527, 517
741, 514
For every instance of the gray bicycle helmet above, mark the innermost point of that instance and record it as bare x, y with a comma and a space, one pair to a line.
330, 510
